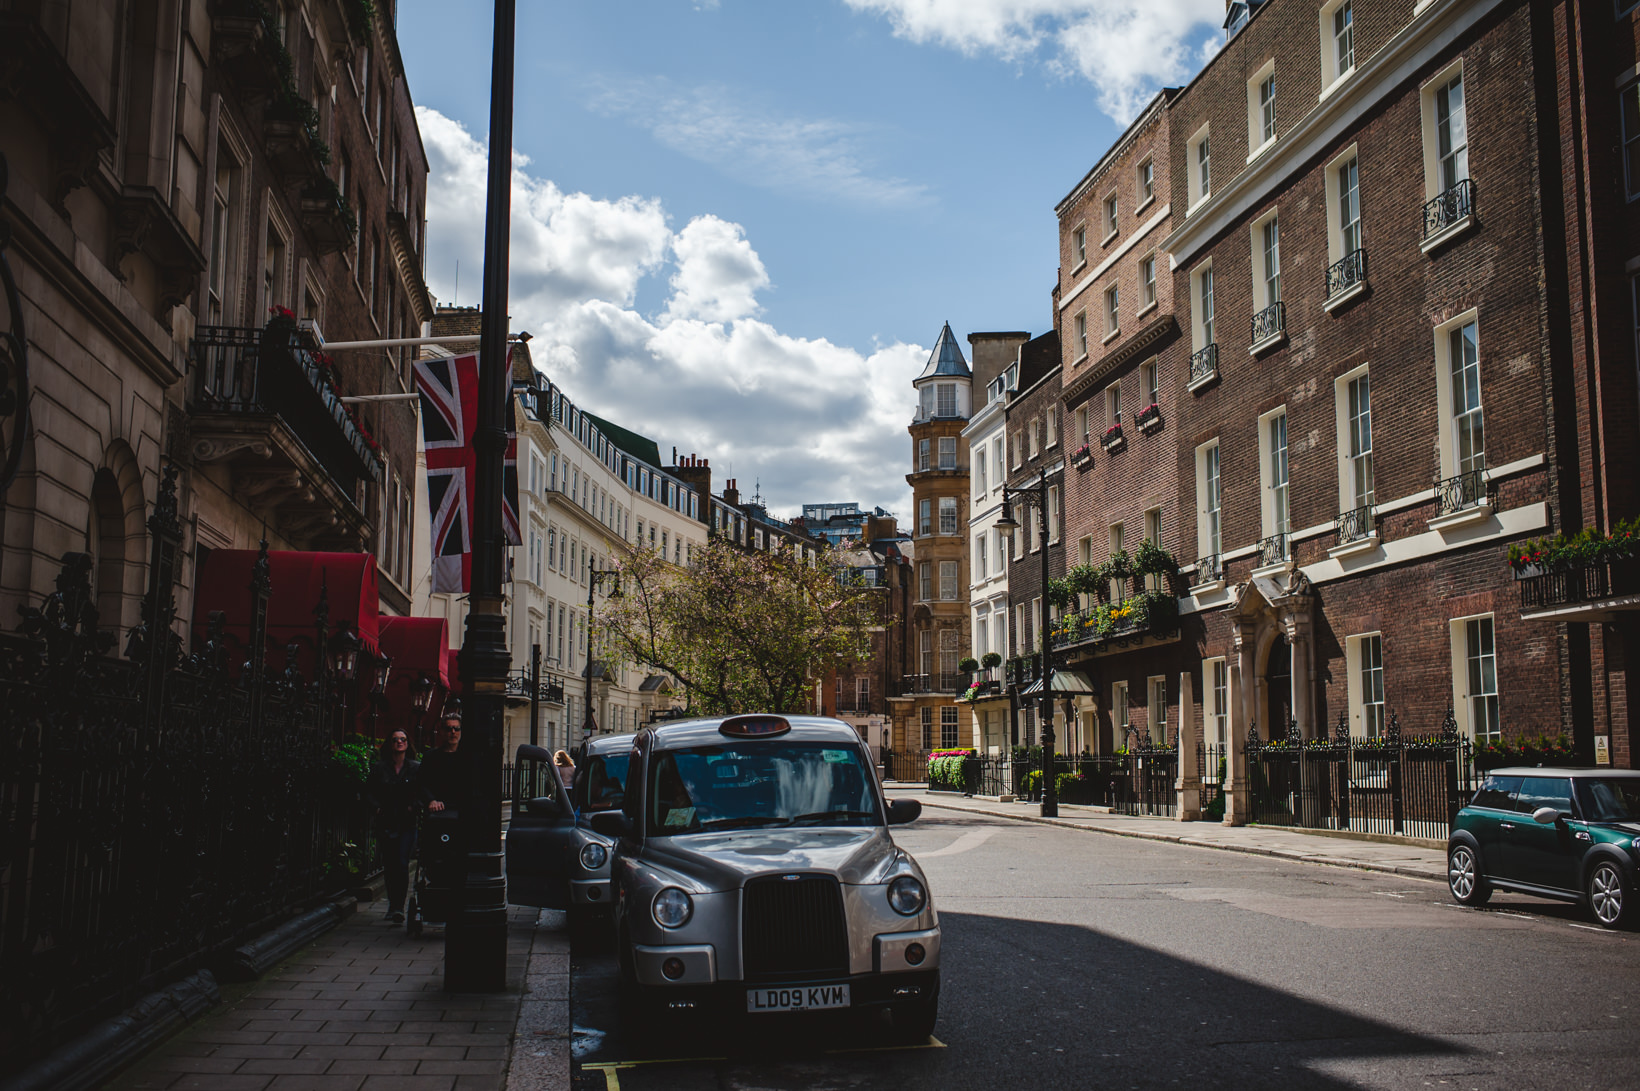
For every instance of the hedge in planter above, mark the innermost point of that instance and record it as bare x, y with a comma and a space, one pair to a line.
947, 769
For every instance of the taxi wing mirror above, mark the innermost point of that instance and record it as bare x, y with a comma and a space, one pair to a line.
542, 805
610, 823
901, 811
1546, 815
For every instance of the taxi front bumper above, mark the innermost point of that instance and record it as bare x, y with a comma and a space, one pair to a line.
866, 991
590, 892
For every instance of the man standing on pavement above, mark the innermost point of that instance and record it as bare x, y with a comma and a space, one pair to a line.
443, 775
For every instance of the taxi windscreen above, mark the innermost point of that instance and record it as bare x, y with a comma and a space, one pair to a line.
760, 783
600, 782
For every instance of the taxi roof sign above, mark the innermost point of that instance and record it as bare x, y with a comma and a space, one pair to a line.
755, 726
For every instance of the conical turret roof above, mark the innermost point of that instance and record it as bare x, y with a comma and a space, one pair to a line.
946, 361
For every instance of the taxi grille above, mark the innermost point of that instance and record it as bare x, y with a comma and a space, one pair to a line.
793, 927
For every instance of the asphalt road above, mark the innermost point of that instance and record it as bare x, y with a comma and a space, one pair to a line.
1076, 960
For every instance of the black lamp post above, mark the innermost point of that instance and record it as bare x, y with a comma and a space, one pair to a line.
378, 690
343, 668
595, 576
421, 696
1006, 526
475, 940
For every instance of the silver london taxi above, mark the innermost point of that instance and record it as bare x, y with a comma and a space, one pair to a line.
754, 871
555, 859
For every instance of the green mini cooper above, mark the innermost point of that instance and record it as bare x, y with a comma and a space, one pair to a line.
1569, 834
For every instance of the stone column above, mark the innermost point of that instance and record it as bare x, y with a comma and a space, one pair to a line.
1190, 775
1237, 796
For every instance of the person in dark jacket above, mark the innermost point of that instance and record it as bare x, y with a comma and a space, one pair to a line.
443, 777
396, 798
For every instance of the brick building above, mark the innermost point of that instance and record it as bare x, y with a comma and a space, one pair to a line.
925, 712
1390, 367
1035, 446
1120, 383
857, 692
175, 173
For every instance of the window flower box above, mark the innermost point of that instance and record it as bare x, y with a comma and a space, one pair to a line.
1149, 419
1112, 439
1082, 457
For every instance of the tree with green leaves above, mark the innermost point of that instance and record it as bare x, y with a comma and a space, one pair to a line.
743, 632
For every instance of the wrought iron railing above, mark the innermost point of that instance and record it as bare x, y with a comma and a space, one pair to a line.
250, 371
1579, 583
1357, 523
942, 682
1465, 490
1275, 549
551, 686
1270, 322
1450, 206
1151, 613
1209, 568
1204, 364
1346, 274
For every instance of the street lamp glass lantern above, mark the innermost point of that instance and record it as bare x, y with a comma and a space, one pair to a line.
347, 655
1006, 524
384, 667
421, 693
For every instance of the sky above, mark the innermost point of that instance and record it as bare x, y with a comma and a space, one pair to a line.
738, 225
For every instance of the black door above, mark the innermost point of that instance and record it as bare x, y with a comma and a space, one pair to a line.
541, 839
1278, 686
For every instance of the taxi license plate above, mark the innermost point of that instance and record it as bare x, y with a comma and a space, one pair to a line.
797, 998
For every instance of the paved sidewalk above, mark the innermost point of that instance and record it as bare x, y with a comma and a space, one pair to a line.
1413, 861
365, 1008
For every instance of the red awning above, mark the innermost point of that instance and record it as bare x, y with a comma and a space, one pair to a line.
417, 645
348, 581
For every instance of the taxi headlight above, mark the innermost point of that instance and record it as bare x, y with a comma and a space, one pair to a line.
672, 908
593, 856
906, 896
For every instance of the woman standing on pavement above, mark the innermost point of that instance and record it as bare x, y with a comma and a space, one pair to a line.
393, 793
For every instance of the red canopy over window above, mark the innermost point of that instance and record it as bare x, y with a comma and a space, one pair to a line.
348, 580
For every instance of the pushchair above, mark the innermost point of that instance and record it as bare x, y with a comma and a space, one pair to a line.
436, 875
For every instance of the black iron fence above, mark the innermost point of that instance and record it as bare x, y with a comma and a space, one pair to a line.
1394, 784
1213, 762
156, 808
905, 765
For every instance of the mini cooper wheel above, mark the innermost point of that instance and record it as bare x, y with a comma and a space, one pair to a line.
1463, 877
1609, 895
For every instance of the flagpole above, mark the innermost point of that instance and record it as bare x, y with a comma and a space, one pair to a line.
475, 944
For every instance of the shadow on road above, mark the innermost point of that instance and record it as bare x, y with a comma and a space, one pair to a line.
1023, 1004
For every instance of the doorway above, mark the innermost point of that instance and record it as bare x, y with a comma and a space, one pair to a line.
1278, 689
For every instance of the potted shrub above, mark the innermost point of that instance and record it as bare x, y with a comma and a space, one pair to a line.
990, 660
968, 664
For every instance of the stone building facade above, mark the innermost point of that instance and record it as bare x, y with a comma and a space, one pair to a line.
177, 174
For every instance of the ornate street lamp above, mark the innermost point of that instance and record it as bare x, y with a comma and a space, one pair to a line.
1007, 525
344, 666
421, 696
378, 690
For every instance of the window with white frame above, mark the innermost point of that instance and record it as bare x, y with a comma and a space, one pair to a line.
1147, 181
1053, 513
1121, 714
1151, 375
1050, 421
1475, 677
1343, 178
1355, 411
925, 651
1110, 216
862, 694
1081, 334
979, 557
945, 399
1216, 673
1202, 318
1365, 663
1337, 41
1261, 109
1113, 404
1157, 708
948, 515
1147, 282
1451, 134
925, 580
1209, 501
1079, 247
924, 446
1034, 431
1113, 317
996, 456
927, 722
925, 521
948, 452
948, 580
949, 652
1273, 464
1199, 167
980, 487
1036, 623
1155, 582
1117, 588
948, 726
1458, 396
1021, 634
1082, 435
1269, 279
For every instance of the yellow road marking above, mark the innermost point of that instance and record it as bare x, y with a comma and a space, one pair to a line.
932, 1043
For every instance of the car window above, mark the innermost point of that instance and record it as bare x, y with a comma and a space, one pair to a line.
1538, 792
537, 779
600, 783
1497, 793
760, 783
1609, 799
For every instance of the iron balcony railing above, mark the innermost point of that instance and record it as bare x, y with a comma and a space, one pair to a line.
1346, 274
1357, 523
1449, 206
942, 682
1580, 583
1275, 549
1209, 568
255, 372
1204, 364
1270, 322
1462, 491
551, 687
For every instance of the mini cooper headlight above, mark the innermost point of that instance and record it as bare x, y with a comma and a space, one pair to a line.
906, 896
593, 856
672, 908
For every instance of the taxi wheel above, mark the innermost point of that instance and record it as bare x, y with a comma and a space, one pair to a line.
1464, 879
914, 1020
1609, 896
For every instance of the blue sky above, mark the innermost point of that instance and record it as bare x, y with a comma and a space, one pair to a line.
740, 224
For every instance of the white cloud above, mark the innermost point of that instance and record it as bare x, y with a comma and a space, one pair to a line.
819, 158
808, 419
1128, 49
719, 274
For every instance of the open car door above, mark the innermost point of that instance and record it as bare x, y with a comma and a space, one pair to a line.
541, 837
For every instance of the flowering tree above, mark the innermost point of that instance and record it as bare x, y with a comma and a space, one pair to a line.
745, 632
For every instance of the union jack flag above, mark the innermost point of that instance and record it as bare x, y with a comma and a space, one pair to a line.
449, 421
